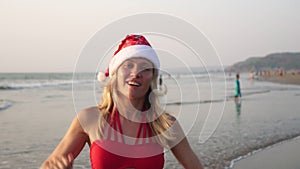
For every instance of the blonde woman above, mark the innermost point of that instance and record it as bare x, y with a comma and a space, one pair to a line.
128, 129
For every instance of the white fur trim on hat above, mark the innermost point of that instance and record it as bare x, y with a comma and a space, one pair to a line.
134, 51
101, 77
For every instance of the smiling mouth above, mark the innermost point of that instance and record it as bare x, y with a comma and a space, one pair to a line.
131, 83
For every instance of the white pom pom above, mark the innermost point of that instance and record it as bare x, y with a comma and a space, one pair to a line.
101, 77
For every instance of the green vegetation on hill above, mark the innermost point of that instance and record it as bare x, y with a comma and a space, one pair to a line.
286, 61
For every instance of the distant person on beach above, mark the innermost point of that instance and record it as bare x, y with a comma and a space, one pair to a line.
160, 81
128, 129
237, 88
252, 76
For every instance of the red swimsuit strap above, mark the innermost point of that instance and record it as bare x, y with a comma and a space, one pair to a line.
119, 125
144, 127
115, 123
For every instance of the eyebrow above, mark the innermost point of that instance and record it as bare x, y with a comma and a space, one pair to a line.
143, 63
146, 64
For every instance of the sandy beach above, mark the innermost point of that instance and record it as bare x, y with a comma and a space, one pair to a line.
282, 155
285, 79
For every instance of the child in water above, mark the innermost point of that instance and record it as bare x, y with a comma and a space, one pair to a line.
237, 88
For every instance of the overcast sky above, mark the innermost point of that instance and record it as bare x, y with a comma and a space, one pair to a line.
48, 35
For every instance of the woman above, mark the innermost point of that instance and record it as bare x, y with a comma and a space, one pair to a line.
128, 129
237, 88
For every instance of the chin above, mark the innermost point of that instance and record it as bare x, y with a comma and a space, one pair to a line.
134, 97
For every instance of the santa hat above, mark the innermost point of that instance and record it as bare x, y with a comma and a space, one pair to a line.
132, 46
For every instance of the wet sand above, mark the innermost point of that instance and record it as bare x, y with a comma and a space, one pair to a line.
285, 79
283, 155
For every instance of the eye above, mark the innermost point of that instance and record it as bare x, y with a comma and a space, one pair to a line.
128, 65
146, 69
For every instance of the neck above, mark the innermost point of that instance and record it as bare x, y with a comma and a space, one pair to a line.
130, 108
138, 104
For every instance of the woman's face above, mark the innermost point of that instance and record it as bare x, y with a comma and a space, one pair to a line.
134, 78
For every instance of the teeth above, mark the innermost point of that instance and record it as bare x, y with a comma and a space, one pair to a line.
133, 83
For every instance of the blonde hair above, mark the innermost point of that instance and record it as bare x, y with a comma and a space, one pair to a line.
160, 122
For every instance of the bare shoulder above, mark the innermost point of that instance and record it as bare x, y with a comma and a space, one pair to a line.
88, 116
89, 112
176, 127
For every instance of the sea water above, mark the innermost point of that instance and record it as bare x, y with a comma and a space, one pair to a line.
36, 110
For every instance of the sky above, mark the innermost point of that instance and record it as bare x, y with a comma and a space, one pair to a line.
49, 35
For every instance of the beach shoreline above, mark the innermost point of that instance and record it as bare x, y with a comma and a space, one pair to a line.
279, 155
292, 79
255, 122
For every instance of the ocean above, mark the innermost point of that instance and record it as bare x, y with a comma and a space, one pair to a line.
37, 108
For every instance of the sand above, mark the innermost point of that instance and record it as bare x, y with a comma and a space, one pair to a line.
284, 155
285, 79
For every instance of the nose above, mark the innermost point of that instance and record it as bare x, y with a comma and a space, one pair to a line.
136, 72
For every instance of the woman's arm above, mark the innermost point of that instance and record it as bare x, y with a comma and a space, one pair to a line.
182, 149
185, 155
68, 149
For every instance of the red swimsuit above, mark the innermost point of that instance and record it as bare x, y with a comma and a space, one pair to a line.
111, 154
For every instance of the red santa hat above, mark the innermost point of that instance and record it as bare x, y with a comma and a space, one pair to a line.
133, 46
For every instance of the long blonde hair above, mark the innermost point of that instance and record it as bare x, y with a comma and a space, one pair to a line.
159, 126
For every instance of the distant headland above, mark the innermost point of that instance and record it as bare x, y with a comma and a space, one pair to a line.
275, 67
287, 61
